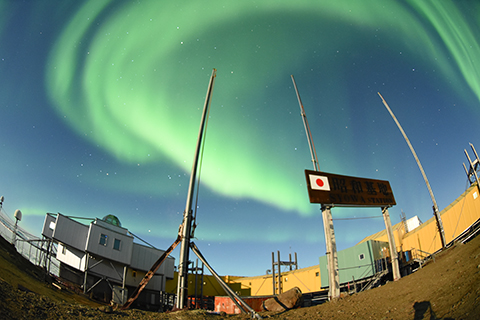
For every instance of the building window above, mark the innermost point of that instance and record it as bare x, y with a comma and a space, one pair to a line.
116, 244
103, 239
51, 226
64, 250
361, 256
317, 274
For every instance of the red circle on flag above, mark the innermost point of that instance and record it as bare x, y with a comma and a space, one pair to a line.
319, 182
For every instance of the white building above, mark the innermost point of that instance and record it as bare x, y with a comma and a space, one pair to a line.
412, 223
103, 258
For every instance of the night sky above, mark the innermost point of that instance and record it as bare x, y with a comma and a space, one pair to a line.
101, 104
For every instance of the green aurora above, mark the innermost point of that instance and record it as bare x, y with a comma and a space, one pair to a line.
127, 77
101, 104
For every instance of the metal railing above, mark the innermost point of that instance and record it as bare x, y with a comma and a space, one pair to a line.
38, 251
421, 256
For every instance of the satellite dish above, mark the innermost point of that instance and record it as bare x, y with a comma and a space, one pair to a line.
18, 215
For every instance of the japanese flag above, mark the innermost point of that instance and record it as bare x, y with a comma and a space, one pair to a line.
319, 183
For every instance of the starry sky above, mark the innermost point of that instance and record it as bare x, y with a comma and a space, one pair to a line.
101, 104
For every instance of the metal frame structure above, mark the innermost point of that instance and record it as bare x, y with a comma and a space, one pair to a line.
277, 276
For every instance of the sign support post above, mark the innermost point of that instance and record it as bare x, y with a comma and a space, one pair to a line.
332, 257
391, 242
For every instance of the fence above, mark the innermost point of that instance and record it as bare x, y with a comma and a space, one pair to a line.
29, 246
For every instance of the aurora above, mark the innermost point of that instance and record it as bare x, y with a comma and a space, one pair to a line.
132, 79
112, 92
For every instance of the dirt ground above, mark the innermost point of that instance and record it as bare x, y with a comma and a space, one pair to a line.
448, 288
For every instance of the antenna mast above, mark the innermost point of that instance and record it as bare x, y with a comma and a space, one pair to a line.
436, 213
313, 153
186, 227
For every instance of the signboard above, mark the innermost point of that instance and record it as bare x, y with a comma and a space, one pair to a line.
344, 191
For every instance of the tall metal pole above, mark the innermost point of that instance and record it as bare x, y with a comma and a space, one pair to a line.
182, 287
330, 242
436, 212
279, 273
313, 153
274, 279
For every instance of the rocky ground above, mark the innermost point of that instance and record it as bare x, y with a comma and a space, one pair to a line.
448, 288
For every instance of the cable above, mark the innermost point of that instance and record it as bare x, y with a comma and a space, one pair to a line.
356, 218
194, 218
142, 239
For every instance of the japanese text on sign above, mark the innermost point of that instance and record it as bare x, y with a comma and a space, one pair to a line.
338, 190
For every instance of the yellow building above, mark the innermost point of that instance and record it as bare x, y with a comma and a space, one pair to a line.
307, 279
456, 218
211, 287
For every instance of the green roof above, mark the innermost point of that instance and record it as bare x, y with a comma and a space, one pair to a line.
112, 220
